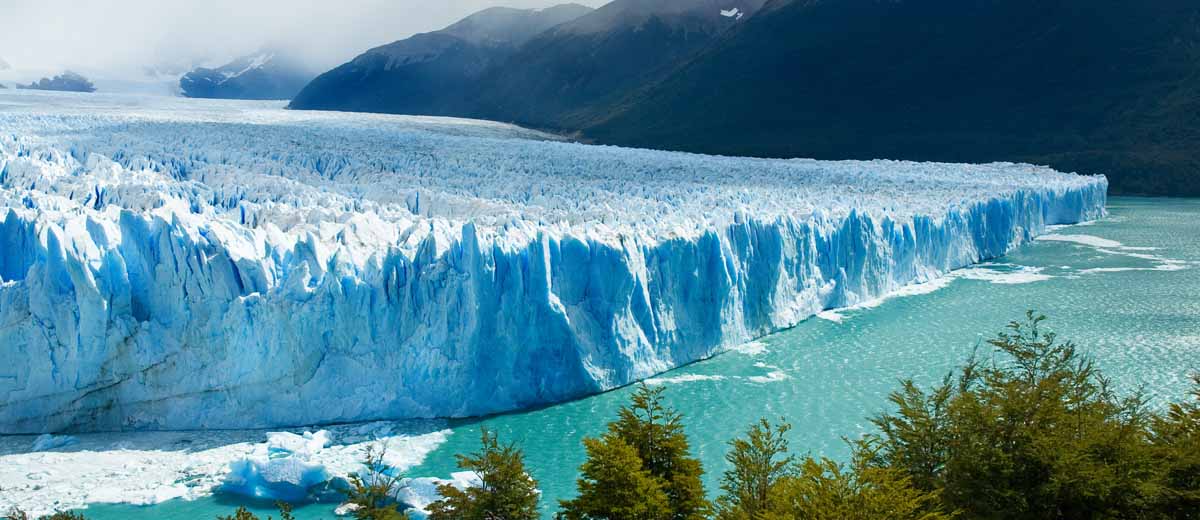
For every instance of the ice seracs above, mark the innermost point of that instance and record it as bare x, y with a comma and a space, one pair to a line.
179, 264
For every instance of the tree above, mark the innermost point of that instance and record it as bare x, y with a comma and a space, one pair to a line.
16, 514
285, 513
505, 490
1034, 433
662, 454
766, 483
613, 485
656, 432
241, 514
1176, 441
757, 463
824, 490
374, 492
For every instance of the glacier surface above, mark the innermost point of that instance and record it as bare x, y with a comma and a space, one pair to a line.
182, 264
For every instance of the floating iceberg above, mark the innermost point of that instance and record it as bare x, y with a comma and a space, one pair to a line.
287, 471
181, 264
47, 442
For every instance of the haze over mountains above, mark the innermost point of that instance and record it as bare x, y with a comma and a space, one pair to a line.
1094, 86
561, 68
266, 74
433, 73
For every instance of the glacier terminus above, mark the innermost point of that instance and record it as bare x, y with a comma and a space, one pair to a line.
186, 264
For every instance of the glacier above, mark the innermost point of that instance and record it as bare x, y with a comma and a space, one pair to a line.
190, 264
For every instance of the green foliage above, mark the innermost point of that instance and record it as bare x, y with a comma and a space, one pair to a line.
506, 492
1036, 433
1176, 444
661, 464
824, 490
285, 513
766, 483
241, 514
374, 491
756, 463
613, 485
17, 514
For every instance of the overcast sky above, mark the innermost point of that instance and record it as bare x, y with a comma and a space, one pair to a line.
132, 34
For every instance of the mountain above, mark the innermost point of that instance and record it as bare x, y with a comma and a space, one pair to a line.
4, 65
267, 74
1096, 86
66, 82
580, 72
432, 73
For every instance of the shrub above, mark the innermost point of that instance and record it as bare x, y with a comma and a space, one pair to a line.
506, 490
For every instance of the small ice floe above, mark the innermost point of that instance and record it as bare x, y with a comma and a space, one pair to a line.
1113, 247
684, 378
1004, 274
774, 374
419, 493
753, 348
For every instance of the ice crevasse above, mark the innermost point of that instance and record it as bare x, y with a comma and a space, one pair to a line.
171, 264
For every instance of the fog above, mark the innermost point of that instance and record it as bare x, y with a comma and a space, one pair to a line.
124, 36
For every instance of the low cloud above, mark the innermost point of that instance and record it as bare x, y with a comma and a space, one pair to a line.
130, 35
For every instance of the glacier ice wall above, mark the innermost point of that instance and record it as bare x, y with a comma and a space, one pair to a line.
169, 264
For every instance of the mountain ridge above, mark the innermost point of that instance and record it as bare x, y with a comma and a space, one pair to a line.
264, 75
565, 72
1113, 90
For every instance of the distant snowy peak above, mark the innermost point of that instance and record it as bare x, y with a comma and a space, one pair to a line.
4, 65
267, 74
709, 15
246, 64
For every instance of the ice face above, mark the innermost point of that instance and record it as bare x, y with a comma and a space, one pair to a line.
178, 264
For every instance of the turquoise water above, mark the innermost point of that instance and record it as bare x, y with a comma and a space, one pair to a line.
1140, 318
